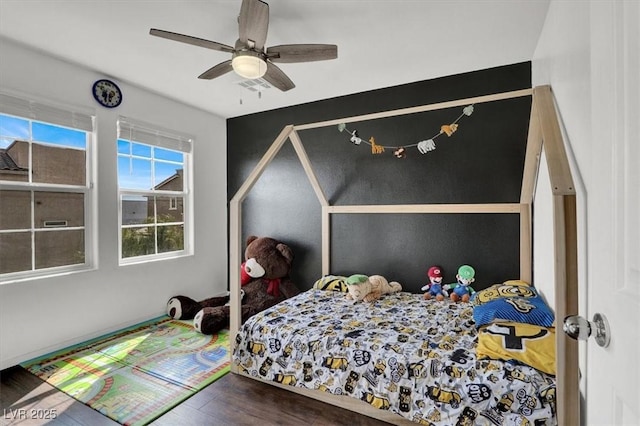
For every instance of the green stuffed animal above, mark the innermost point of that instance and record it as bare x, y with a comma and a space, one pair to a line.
462, 290
362, 287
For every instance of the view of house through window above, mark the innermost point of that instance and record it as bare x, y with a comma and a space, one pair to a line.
45, 189
153, 191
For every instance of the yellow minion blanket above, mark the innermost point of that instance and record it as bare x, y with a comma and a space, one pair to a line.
414, 357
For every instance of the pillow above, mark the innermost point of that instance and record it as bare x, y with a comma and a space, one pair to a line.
529, 310
512, 288
332, 283
525, 343
516, 302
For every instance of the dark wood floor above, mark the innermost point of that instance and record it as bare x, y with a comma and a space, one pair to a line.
232, 400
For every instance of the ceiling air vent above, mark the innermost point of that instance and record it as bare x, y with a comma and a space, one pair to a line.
256, 85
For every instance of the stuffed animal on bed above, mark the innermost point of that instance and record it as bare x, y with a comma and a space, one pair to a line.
362, 287
462, 289
265, 282
435, 284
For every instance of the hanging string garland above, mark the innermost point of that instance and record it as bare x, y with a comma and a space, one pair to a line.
423, 146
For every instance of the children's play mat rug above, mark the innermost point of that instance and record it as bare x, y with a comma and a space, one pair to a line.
137, 374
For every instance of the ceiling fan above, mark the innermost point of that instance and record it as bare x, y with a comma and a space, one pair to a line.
250, 58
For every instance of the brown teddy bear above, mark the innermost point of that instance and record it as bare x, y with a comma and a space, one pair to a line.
265, 282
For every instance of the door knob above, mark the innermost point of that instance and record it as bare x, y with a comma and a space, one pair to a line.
580, 328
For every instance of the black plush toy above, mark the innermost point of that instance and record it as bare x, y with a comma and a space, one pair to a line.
265, 282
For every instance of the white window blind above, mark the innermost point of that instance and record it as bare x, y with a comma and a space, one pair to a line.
150, 134
12, 105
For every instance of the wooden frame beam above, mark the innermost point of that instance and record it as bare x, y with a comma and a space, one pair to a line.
565, 255
532, 157
306, 165
428, 208
417, 109
526, 243
556, 155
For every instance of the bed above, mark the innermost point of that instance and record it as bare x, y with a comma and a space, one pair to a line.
376, 375
404, 354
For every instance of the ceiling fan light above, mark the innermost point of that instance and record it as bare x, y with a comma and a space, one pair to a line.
249, 66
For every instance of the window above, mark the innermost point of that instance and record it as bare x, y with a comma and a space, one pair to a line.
173, 203
154, 192
46, 191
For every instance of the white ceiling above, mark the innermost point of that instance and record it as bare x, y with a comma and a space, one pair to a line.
381, 43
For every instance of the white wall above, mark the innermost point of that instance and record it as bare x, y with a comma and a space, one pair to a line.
562, 60
41, 315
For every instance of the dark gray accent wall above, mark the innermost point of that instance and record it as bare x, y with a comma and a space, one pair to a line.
481, 163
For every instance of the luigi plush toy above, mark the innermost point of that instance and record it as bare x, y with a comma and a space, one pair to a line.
462, 290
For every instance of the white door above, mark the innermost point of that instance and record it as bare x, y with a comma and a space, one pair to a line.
613, 373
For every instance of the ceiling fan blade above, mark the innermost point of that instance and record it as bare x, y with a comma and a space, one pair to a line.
217, 70
277, 78
302, 52
191, 40
253, 23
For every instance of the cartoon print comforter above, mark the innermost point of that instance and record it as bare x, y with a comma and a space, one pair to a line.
402, 353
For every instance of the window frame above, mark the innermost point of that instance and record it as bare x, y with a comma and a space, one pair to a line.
25, 107
138, 132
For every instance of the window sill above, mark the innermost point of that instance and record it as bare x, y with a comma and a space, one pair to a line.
19, 277
153, 258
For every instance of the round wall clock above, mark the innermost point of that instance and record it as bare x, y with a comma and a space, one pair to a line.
107, 93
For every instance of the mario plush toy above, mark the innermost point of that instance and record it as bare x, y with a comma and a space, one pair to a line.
265, 282
462, 289
435, 284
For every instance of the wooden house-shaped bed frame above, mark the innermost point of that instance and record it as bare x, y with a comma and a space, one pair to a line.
544, 135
